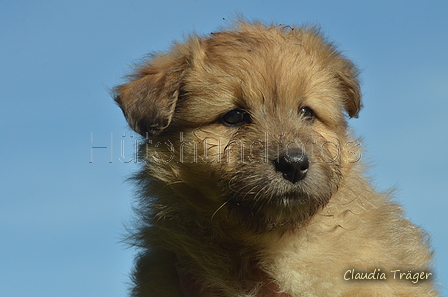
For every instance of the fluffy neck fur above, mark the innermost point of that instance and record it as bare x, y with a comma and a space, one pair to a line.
217, 252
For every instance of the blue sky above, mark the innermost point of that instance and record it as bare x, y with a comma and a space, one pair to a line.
62, 218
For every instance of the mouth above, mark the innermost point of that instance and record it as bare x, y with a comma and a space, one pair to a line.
263, 199
266, 217
273, 207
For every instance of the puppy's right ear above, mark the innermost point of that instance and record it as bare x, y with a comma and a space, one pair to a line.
149, 100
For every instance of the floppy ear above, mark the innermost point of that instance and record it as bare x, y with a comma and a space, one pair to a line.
349, 83
149, 100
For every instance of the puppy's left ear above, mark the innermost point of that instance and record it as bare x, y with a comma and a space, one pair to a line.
149, 100
349, 83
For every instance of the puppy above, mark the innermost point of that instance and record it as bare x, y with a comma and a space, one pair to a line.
252, 183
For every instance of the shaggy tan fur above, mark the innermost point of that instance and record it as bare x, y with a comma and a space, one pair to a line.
253, 184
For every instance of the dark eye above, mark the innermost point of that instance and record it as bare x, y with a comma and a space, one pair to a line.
307, 113
236, 117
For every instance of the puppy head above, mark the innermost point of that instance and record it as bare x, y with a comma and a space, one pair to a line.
253, 118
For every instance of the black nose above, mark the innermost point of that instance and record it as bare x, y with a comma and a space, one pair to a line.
293, 165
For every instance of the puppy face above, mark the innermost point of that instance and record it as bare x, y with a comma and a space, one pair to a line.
251, 120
